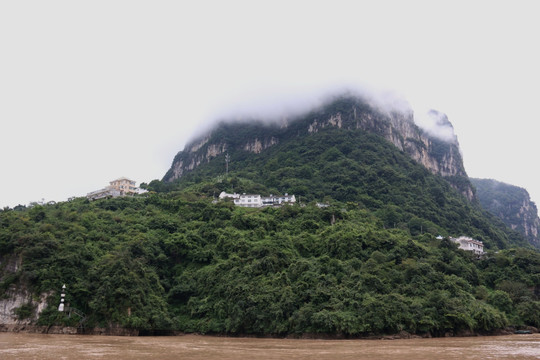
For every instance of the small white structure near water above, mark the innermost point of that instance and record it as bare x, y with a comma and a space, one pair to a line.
62, 298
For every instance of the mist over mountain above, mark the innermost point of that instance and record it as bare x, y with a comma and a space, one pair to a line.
435, 146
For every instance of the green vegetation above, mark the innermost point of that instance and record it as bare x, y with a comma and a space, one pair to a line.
167, 261
369, 263
24, 311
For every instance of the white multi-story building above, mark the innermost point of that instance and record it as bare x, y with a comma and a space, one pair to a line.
469, 244
248, 200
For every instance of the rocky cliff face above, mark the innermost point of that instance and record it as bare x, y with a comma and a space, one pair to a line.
440, 156
512, 205
18, 297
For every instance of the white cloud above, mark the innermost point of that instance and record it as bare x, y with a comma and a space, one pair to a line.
436, 124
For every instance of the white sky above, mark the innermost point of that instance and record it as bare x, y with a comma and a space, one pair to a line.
94, 90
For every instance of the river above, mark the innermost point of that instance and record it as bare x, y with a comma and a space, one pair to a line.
39, 346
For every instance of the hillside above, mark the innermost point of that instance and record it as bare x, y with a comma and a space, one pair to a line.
367, 263
174, 262
512, 204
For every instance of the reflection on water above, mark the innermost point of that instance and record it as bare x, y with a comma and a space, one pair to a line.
39, 346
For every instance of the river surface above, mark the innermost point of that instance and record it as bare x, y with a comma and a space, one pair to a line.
39, 346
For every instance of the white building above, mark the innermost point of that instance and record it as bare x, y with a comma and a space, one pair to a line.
469, 244
278, 200
257, 201
248, 200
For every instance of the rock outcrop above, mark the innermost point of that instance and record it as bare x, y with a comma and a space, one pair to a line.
440, 155
512, 205
17, 305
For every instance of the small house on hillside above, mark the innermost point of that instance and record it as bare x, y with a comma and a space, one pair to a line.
469, 244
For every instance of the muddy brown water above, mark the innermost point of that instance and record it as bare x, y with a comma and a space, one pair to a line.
39, 346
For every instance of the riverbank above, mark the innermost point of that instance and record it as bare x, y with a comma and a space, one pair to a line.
66, 330
120, 331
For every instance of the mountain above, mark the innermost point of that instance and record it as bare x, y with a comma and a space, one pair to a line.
358, 255
345, 112
512, 204
352, 151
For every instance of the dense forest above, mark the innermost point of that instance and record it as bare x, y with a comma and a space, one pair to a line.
368, 262
172, 261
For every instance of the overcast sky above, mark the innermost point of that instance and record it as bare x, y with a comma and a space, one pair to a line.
94, 90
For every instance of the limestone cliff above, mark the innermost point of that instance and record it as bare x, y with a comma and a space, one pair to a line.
17, 305
512, 204
439, 155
